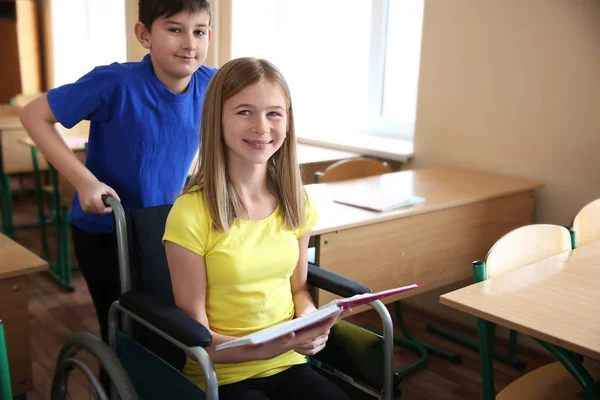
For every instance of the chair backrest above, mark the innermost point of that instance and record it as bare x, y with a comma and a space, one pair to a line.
586, 223
526, 245
352, 169
150, 272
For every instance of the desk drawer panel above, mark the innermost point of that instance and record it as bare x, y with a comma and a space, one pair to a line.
14, 313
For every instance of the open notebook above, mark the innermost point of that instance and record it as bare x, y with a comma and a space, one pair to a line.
376, 201
328, 310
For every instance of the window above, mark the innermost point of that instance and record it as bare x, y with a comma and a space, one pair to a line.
352, 65
85, 34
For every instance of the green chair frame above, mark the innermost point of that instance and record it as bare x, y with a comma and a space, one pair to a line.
61, 268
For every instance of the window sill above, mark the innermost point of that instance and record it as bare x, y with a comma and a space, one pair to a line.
374, 146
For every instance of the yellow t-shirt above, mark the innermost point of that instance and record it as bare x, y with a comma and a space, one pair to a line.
248, 271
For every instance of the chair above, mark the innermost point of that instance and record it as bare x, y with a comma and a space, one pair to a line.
586, 224
519, 248
352, 169
170, 334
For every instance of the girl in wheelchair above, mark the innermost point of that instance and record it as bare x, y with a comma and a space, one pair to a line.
236, 239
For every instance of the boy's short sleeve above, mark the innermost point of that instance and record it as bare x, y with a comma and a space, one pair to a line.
188, 223
310, 217
87, 99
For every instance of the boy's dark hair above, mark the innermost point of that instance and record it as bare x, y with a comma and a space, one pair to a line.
150, 10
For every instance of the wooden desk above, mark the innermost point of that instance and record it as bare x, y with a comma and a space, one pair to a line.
15, 263
432, 243
556, 300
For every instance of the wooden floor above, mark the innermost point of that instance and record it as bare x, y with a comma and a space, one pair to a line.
54, 314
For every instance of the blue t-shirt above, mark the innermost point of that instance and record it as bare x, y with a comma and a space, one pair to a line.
143, 137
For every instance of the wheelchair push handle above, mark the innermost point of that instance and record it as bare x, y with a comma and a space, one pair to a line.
109, 200
122, 246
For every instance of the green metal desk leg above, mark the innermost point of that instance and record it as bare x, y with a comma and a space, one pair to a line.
39, 198
5, 387
65, 246
485, 331
62, 272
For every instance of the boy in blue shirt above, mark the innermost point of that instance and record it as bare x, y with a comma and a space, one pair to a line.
144, 132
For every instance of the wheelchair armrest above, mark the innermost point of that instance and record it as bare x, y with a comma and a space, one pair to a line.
334, 283
168, 319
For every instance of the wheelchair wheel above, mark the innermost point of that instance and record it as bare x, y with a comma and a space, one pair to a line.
78, 369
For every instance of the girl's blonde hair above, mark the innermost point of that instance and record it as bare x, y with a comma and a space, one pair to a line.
283, 172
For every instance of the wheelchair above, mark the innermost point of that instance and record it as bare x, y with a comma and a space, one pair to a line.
149, 338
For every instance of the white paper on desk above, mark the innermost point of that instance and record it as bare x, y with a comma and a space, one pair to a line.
376, 201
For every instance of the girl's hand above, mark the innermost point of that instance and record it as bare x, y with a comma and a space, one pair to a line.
308, 341
298, 339
313, 346
90, 197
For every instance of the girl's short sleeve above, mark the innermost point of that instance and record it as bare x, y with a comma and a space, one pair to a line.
188, 223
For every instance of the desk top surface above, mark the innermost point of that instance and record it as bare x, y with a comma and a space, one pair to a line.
74, 143
556, 300
442, 187
16, 260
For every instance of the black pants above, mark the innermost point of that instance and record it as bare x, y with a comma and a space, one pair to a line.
97, 257
298, 382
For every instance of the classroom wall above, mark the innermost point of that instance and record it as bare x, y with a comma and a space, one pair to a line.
513, 87
135, 51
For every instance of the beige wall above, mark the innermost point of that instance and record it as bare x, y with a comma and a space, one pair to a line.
513, 87
135, 51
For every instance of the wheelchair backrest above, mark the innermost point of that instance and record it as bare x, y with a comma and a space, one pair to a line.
150, 273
